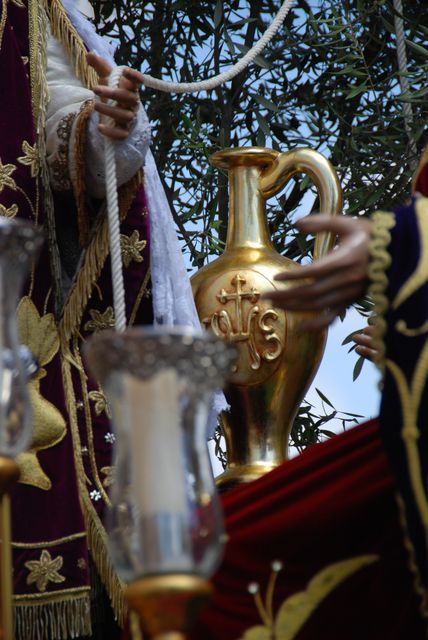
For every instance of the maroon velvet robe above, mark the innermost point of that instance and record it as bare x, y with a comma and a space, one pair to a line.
58, 507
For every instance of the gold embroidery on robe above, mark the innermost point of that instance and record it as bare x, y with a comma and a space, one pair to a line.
100, 403
8, 212
109, 473
132, 247
31, 158
410, 400
100, 320
6, 179
40, 334
44, 570
420, 275
296, 610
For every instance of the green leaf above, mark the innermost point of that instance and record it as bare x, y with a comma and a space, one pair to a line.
218, 13
263, 124
417, 47
324, 399
350, 336
356, 91
264, 102
259, 60
357, 368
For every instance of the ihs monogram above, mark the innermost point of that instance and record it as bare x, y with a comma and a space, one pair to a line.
236, 326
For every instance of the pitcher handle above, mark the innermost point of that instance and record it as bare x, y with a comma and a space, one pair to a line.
274, 178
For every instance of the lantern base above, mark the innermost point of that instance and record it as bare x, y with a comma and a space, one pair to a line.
9, 474
168, 605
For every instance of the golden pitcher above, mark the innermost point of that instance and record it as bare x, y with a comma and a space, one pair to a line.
276, 362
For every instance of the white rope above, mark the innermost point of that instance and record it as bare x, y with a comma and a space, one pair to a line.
113, 217
212, 83
404, 82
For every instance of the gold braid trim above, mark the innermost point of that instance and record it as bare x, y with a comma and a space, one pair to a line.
38, 29
410, 399
50, 543
93, 263
418, 585
68, 618
140, 296
73, 44
379, 263
97, 537
79, 183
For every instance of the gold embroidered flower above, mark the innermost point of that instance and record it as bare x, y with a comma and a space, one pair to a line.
100, 320
6, 180
10, 212
101, 403
132, 247
40, 334
44, 570
296, 610
81, 563
31, 158
110, 473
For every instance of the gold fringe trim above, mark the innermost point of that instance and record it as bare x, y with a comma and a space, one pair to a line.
97, 537
418, 586
57, 620
79, 184
379, 263
38, 29
93, 262
73, 44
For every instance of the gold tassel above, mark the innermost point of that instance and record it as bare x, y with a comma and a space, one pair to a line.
63, 619
73, 44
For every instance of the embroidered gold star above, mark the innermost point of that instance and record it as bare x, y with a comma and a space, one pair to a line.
132, 247
44, 570
100, 320
101, 403
31, 158
6, 180
8, 212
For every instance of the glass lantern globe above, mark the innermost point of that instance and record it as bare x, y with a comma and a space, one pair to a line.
165, 516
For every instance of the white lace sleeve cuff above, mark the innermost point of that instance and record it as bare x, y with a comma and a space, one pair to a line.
67, 99
130, 153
